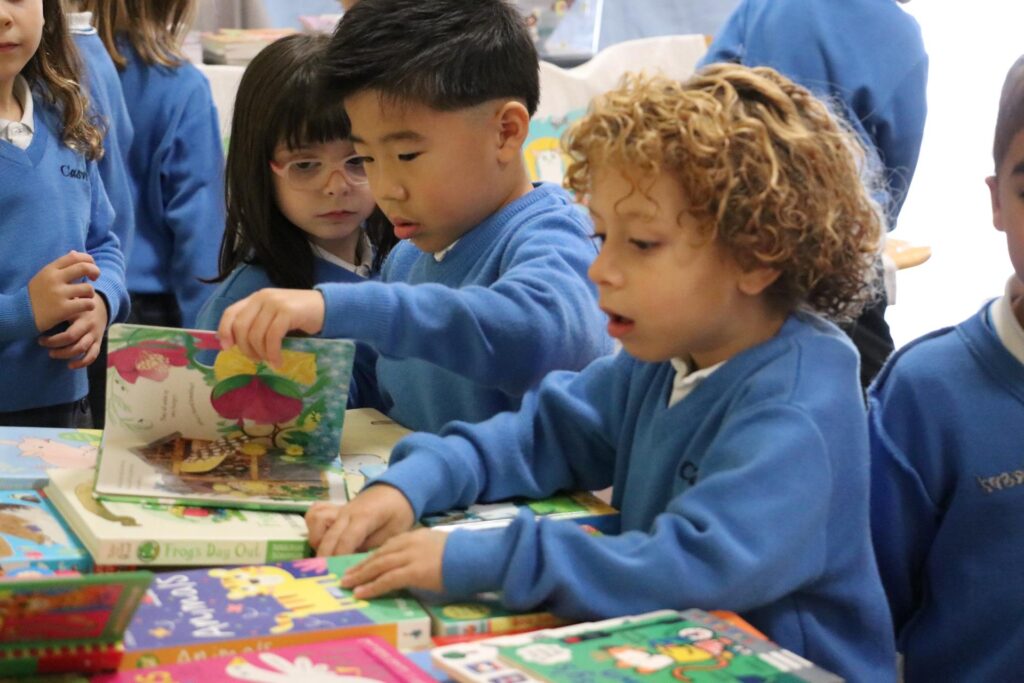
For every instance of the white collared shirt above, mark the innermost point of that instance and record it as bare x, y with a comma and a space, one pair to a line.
439, 255
686, 381
365, 253
80, 22
1008, 328
19, 133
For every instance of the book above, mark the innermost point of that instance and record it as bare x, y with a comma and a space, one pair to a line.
238, 46
199, 614
159, 535
34, 539
662, 646
188, 422
352, 660
581, 507
366, 444
483, 614
66, 624
26, 453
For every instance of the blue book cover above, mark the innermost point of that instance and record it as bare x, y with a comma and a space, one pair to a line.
34, 539
26, 453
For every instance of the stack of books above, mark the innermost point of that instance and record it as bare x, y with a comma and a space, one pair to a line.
238, 46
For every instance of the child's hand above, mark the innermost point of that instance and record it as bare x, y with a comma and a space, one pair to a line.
83, 338
56, 293
411, 560
259, 322
372, 517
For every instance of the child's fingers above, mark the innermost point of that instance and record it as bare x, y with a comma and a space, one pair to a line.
379, 563
344, 536
78, 270
241, 328
257, 334
276, 331
388, 582
79, 348
227, 319
71, 258
318, 518
88, 359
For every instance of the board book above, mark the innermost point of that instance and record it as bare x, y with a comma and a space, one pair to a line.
159, 535
657, 647
188, 422
34, 539
366, 444
200, 614
26, 453
63, 624
581, 507
483, 614
352, 660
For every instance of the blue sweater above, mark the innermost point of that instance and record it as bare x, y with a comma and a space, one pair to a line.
947, 440
53, 201
107, 100
177, 166
247, 279
465, 338
750, 494
866, 55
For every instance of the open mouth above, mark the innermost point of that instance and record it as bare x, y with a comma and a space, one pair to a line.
618, 325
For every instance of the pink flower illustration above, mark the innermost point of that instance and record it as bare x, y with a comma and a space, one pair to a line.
149, 359
254, 400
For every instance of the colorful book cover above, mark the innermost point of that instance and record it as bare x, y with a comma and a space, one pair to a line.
352, 660
483, 614
193, 615
581, 507
34, 539
366, 445
159, 535
26, 453
657, 647
190, 423
65, 624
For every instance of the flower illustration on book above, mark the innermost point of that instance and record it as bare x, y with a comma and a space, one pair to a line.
247, 390
150, 360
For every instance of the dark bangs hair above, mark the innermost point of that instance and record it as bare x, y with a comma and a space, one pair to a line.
445, 54
54, 72
277, 102
1010, 119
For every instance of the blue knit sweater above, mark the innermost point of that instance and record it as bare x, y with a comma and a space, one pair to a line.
947, 440
465, 338
52, 201
750, 494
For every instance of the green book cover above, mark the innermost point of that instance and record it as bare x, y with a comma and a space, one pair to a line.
581, 507
483, 614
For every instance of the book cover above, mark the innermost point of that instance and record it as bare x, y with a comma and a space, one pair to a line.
26, 453
352, 660
159, 535
366, 445
199, 614
190, 423
64, 624
656, 647
581, 507
483, 614
34, 539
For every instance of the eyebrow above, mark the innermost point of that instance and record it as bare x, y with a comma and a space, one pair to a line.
397, 136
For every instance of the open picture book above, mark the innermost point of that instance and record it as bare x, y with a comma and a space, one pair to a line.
188, 422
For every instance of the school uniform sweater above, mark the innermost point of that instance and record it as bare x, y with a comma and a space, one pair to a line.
465, 337
177, 165
866, 55
947, 440
53, 201
107, 100
248, 279
750, 494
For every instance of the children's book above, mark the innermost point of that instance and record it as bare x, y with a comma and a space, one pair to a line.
64, 624
188, 422
159, 535
33, 538
656, 647
483, 614
366, 446
26, 453
581, 507
199, 614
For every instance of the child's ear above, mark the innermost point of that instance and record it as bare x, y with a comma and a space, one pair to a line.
753, 282
513, 126
993, 188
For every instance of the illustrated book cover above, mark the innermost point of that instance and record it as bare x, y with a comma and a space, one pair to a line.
483, 614
657, 647
158, 535
366, 445
351, 660
66, 624
200, 614
581, 507
26, 453
188, 422
34, 540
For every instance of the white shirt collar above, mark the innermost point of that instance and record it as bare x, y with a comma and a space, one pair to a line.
686, 380
19, 133
439, 255
80, 22
365, 257
1008, 328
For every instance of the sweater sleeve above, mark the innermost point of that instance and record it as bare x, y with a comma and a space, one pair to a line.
742, 537
728, 42
539, 316
192, 182
102, 244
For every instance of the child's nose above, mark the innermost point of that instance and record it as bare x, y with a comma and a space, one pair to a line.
337, 183
603, 270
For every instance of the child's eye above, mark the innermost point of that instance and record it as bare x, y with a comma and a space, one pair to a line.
643, 245
408, 157
305, 167
598, 239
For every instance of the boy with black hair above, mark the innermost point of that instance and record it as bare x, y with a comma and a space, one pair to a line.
488, 292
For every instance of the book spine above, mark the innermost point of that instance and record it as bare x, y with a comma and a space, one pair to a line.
60, 659
197, 553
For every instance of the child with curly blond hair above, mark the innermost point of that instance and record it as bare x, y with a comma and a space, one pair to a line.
733, 216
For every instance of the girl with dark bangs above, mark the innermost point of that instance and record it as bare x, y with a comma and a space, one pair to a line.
66, 282
299, 209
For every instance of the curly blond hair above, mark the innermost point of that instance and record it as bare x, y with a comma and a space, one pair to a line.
773, 176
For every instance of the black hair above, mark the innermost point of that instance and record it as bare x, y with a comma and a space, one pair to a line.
445, 54
278, 101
